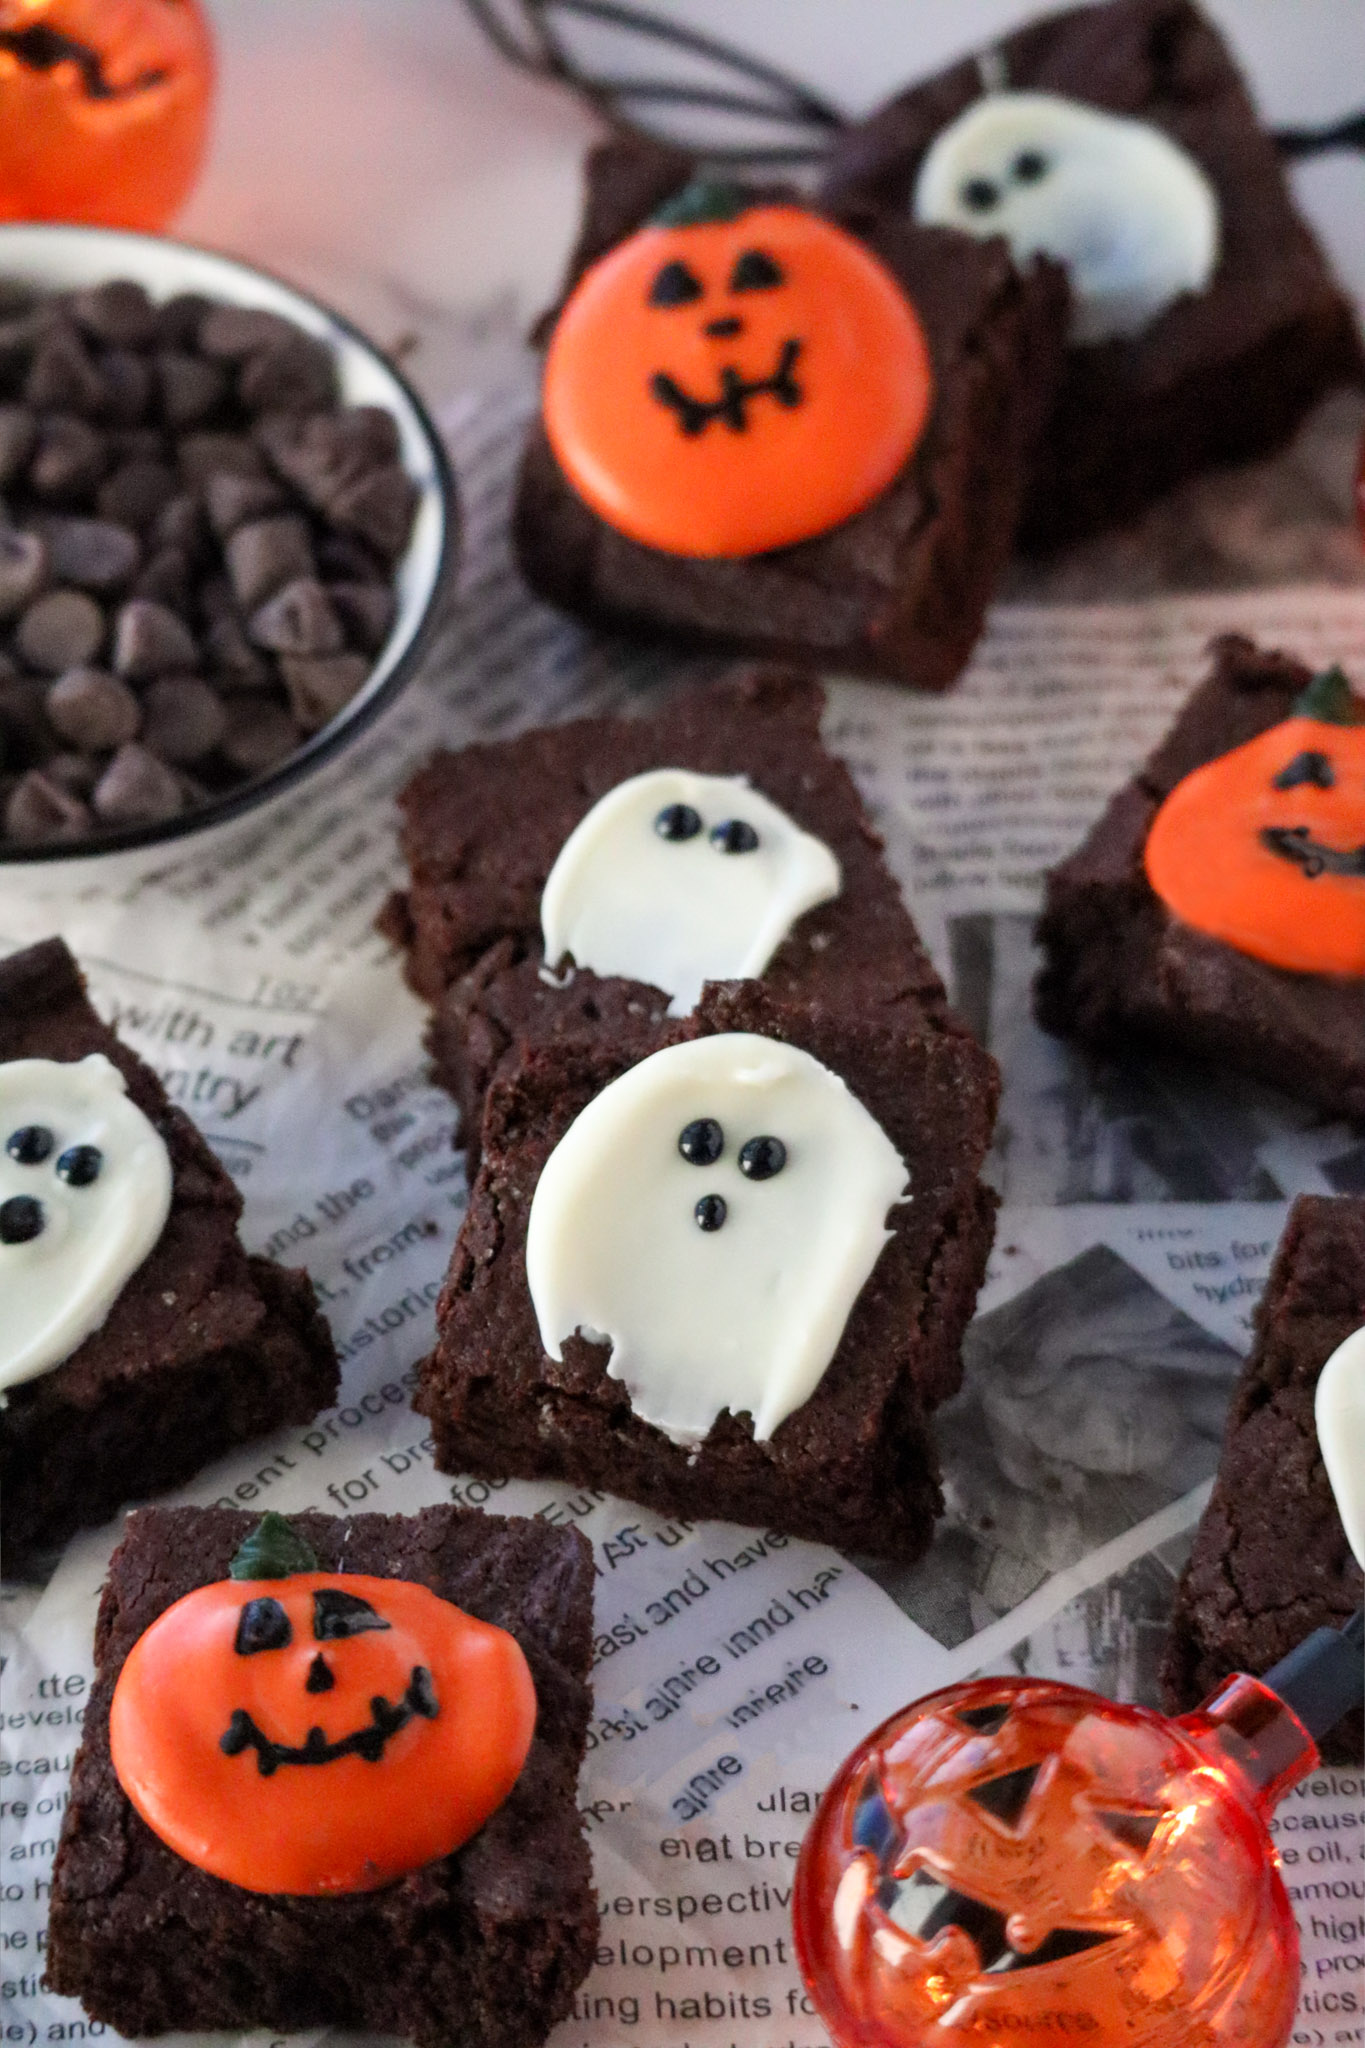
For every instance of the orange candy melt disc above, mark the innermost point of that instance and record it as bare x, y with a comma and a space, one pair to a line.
735, 378
319, 1733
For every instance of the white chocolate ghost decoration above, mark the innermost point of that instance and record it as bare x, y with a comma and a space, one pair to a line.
713, 1216
1126, 209
85, 1189
1339, 1413
676, 879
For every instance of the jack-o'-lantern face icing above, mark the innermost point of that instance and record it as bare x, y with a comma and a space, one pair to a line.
309, 1732
85, 1189
1013, 1859
676, 879
103, 108
735, 378
1126, 209
713, 1215
1264, 848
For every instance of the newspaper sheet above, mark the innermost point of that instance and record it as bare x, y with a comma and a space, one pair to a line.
734, 1666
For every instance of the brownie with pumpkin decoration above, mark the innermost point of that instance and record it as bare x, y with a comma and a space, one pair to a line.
1121, 140
761, 432
1271, 1561
328, 1777
138, 1340
1218, 906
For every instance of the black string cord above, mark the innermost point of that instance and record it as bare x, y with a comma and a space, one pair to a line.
747, 89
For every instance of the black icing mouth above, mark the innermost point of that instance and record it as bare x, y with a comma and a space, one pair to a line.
1296, 843
42, 49
696, 414
386, 1719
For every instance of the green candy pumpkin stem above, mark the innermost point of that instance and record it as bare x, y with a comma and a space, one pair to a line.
272, 1551
702, 202
1330, 699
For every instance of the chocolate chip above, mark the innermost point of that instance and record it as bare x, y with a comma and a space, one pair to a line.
231, 659
180, 524
168, 579
206, 455
366, 610
69, 460
297, 376
298, 620
265, 555
128, 387
260, 734
63, 630
39, 809
230, 333
149, 640
379, 429
380, 508
137, 789
24, 728
178, 320
321, 685
63, 377
233, 500
92, 709
344, 559
118, 312
23, 569
18, 438
184, 719
76, 773
191, 389
94, 554
136, 493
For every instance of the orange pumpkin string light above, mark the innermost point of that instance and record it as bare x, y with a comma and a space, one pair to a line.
1264, 847
735, 377
302, 1731
104, 109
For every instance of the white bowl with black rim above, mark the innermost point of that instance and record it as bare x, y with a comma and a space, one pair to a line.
57, 259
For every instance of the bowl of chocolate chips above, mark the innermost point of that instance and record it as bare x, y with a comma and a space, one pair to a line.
224, 521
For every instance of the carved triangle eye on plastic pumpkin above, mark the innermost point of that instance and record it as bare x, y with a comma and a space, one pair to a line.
735, 378
104, 108
1264, 848
321, 1732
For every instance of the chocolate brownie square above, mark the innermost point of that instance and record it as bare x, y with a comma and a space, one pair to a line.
1221, 374
204, 1346
854, 1464
482, 829
1270, 1561
481, 1949
1120, 969
898, 589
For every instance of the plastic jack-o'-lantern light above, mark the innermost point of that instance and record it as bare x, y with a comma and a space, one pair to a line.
293, 1730
1014, 1859
1264, 847
734, 377
104, 108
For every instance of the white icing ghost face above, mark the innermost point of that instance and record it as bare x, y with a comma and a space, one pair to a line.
1128, 211
85, 1188
1339, 1412
676, 879
713, 1216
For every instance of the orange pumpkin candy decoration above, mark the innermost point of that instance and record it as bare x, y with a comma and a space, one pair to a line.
734, 378
318, 1732
1264, 847
104, 109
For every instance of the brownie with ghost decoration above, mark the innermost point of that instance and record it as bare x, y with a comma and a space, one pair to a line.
480, 1948
1282, 817
484, 828
853, 1463
850, 508
1270, 1561
1225, 327
201, 1346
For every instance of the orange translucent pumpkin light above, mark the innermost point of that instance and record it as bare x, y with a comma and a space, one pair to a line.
734, 378
104, 109
321, 1732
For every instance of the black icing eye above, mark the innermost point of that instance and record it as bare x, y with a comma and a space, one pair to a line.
79, 1165
979, 195
30, 1144
337, 1614
675, 285
702, 1141
262, 1625
734, 836
678, 821
761, 1158
1312, 767
710, 1212
21, 1219
756, 272
1029, 166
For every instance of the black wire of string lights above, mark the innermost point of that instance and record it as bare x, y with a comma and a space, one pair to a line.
530, 34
